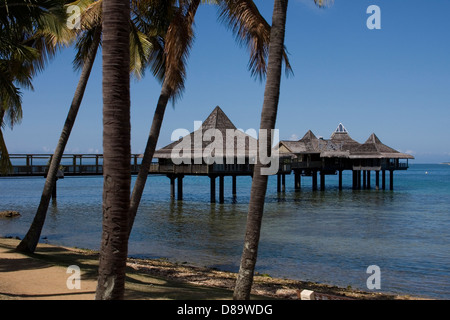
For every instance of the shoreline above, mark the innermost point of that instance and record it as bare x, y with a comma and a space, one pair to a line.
218, 284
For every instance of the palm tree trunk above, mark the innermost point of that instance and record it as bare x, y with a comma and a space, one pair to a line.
259, 185
31, 239
178, 41
152, 140
116, 149
5, 162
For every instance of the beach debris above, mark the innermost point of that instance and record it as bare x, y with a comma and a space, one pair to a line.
9, 214
312, 295
307, 295
286, 293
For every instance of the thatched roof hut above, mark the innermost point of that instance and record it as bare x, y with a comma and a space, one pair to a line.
340, 145
217, 137
374, 148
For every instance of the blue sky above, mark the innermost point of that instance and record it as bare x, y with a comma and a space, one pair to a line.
394, 81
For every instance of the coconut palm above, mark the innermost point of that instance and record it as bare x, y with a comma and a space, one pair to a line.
116, 149
31, 32
250, 28
259, 183
89, 40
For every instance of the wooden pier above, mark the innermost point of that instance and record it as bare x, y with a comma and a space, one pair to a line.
308, 157
71, 164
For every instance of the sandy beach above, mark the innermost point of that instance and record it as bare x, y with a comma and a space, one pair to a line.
45, 275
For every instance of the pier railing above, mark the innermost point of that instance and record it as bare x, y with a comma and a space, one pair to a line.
92, 164
71, 164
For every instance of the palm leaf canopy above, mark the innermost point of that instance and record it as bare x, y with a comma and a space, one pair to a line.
31, 32
241, 16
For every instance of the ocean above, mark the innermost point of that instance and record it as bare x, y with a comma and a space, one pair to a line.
329, 237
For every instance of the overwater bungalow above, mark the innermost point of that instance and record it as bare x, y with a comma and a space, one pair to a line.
216, 149
209, 151
311, 156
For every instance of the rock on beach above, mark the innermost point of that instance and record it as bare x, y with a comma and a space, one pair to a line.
9, 214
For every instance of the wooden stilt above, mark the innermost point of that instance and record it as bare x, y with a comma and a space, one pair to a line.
172, 187
322, 180
283, 182
359, 179
234, 186
340, 179
383, 179
368, 179
221, 191
314, 180
297, 182
377, 179
213, 188
180, 187
364, 174
391, 179
278, 182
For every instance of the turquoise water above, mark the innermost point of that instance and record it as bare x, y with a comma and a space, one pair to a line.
329, 237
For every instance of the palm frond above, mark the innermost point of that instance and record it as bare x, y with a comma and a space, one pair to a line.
84, 44
156, 59
38, 25
152, 18
251, 30
140, 48
178, 42
10, 98
91, 13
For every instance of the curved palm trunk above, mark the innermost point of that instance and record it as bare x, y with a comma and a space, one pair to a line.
116, 149
259, 185
178, 40
5, 162
31, 239
152, 140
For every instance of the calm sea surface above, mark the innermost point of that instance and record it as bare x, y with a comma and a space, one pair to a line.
328, 237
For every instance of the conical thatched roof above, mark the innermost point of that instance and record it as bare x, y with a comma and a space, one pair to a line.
311, 142
218, 120
308, 144
342, 139
374, 148
341, 145
203, 140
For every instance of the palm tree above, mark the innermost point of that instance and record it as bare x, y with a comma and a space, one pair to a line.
85, 58
259, 184
87, 45
251, 29
177, 43
116, 149
30, 34
245, 18
31, 239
